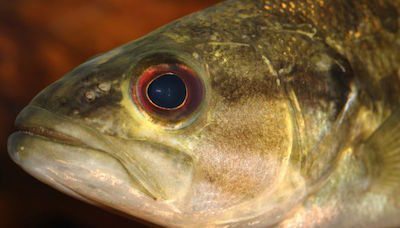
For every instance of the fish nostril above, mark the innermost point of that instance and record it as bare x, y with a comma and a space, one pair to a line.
90, 96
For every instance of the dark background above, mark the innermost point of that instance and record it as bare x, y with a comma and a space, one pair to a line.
40, 40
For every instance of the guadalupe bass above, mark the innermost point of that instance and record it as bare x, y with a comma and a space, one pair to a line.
249, 113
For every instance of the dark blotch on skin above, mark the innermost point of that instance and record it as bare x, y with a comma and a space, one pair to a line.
79, 94
234, 89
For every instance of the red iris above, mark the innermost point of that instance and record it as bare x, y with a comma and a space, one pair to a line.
168, 91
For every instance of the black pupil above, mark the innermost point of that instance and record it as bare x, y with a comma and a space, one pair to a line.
167, 91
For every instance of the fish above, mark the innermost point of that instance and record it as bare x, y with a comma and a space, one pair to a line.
250, 113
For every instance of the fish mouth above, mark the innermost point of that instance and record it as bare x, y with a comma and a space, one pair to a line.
81, 172
99, 169
39, 123
50, 134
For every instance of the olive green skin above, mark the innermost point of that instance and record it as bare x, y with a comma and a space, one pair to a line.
292, 89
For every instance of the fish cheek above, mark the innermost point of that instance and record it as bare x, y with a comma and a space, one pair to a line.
246, 147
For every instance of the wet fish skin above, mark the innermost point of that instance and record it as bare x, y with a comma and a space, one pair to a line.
294, 89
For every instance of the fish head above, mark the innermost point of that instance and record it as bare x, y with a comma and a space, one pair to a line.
231, 150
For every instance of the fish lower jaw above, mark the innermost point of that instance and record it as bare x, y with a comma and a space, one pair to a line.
85, 174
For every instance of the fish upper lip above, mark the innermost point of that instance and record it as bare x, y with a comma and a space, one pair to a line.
58, 128
51, 134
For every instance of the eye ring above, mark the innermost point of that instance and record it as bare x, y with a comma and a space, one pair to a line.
194, 92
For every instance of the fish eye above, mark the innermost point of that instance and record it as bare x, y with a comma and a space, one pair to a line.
168, 92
